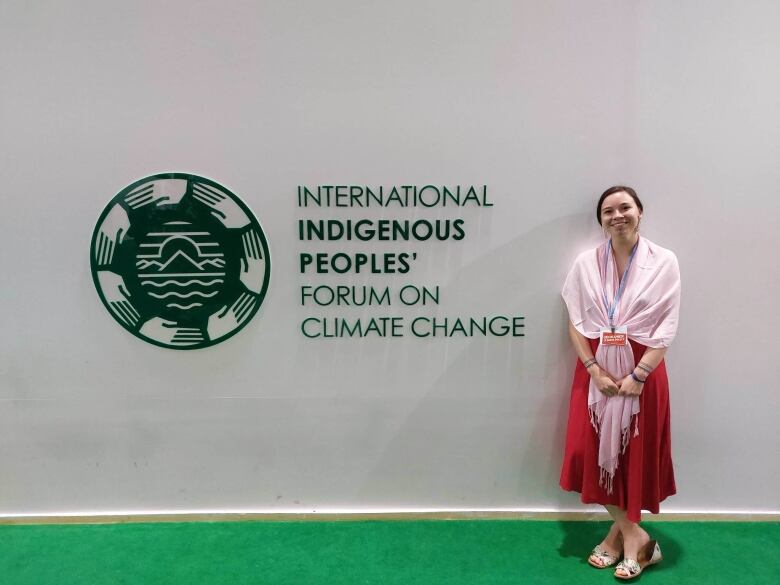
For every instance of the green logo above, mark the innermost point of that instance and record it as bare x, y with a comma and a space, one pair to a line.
180, 261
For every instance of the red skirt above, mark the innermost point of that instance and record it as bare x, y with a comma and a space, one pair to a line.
644, 476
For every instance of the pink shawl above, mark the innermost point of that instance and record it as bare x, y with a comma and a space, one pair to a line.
649, 308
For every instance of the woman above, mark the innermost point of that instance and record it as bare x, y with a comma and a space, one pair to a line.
623, 301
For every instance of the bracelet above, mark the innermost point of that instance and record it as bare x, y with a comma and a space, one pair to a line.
645, 367
589, 363
636, 379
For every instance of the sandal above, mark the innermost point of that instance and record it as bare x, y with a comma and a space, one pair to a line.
649, 555
601, 559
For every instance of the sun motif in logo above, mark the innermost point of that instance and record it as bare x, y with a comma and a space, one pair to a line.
180, 261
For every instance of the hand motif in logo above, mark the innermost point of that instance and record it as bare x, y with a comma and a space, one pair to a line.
252, 274
222, 207
111, 233
169, 332
118, 297
252, 264
229, 318
168, 191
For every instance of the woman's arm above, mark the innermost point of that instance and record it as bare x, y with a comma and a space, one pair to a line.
650, 360
604, 383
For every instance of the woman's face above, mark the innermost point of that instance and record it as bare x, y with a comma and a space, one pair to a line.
620, 215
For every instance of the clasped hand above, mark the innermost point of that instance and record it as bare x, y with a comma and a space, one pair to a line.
610, 387
629, 387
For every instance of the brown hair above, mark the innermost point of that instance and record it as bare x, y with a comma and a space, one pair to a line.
612, 191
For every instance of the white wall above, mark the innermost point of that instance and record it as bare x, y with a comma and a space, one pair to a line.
545, 102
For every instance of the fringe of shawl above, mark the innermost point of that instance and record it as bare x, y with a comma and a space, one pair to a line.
607, 472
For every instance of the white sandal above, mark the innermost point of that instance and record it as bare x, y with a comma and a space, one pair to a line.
633, 568
601, 559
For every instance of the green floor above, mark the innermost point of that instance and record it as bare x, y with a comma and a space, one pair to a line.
471, 552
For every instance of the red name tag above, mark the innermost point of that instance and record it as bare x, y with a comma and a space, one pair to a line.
617, 337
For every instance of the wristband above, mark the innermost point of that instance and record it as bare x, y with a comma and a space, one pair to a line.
636, 379
645, 367
589, 363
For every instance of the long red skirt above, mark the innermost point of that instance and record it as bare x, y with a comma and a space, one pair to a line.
644, 476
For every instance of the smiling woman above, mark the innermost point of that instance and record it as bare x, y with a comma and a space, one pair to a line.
622, 212
623, 303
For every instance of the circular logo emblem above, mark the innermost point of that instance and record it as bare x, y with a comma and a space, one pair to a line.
180, 261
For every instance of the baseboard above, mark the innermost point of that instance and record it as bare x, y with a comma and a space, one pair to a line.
410, 515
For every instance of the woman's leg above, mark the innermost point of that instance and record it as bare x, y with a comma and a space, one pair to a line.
612, 539
611, 544
634, 536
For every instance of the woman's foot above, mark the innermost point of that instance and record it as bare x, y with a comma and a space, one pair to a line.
630, 568
634, 540
609, 551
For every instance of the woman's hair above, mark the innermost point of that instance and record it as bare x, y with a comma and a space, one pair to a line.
612, 191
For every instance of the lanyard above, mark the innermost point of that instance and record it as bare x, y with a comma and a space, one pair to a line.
619, 293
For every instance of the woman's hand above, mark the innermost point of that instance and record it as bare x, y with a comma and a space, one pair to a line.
629, 387
604, 384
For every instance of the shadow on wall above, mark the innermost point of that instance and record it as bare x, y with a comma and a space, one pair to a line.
518, 428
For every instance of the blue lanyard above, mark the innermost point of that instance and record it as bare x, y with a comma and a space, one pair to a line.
619, 293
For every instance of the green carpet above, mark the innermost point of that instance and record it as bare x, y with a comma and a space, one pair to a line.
469, 552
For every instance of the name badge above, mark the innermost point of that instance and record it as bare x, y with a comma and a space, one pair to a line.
617, 337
